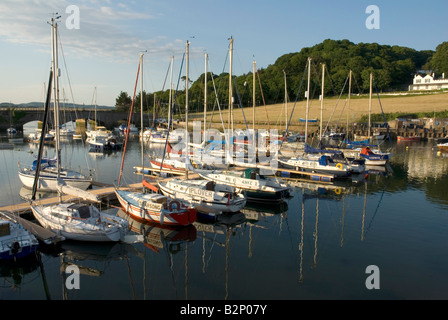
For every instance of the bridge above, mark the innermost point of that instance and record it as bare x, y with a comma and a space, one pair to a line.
107, 118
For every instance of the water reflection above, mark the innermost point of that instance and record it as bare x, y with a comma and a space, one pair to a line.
15, 275
308, 247
157, 236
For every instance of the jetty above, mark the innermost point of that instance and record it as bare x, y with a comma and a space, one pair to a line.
282, 172
104, 191
47, 236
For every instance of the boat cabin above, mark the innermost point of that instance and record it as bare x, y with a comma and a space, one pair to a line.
75, 210
5, 229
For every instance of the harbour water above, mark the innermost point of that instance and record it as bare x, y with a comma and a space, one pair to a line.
318, 245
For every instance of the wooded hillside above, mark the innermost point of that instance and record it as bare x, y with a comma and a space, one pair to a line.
393, 68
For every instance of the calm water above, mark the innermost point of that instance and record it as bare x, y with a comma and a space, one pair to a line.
316, 246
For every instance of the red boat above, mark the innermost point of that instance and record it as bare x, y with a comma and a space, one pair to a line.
414, 138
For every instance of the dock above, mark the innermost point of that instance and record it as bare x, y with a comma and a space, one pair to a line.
25, 206
274, 172
45, 235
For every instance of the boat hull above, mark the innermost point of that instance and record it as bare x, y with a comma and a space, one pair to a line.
376, 159
205, 205
255, 190
15, 241
184, 217
50, 182
75, 230
408, 139
443, 147
23, 251
315, 167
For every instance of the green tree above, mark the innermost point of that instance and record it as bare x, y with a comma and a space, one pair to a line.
123, 102
439, 61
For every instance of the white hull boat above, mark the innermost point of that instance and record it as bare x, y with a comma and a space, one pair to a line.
48, 179
205, 196
322, 165
81, 222
255, 186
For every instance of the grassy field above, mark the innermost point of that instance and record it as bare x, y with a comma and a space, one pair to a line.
338, 110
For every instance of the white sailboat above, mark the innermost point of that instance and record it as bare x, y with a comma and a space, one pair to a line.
50, 175
310, 162
77, 221
256, 187
206, 196
74, 221
371, 153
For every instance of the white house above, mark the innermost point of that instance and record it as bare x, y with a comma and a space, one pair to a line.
428, 83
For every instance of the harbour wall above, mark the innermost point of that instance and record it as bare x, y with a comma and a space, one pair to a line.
107, 118
111, 119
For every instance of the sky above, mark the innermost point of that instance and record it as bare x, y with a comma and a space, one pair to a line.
101, 46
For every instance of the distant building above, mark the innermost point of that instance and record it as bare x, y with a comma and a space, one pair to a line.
428, 82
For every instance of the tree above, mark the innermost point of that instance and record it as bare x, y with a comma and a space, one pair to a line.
123, 102
439, 61
392, 68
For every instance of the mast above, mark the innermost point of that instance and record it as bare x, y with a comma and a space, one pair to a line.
229, 134
349, 95
171, 89
42, 136
94, 91
56, 90
253, 100
129, 124
322, 100
370, 101
230, 87
141, 114
286, 104
205, 94
307, 100
186, 105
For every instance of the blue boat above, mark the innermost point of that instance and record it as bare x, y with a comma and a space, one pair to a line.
15, 241
309, 120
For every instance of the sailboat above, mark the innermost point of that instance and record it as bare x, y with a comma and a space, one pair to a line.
75, 221
206, 196
78, 221
328, 157
312, 162
152, 207
100, 138
51, 176
376, 156
256, 187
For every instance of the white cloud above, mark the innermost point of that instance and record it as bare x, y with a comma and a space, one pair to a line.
105, 28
